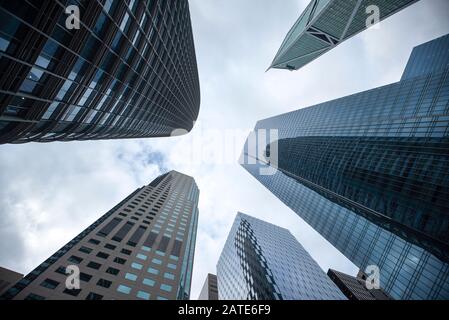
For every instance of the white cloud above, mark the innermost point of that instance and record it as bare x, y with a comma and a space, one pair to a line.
51, 192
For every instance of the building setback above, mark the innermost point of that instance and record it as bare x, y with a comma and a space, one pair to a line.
354, 288
143, 248
8, 278
324, 24
261, 261
370, 173
129, 71
210, 289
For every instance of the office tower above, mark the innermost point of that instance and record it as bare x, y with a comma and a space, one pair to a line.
370, 173
210, 289
261, 261
128, 71
354, 288
324, 24
8, 278
143, 248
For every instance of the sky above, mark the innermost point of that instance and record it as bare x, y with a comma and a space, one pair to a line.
50, 192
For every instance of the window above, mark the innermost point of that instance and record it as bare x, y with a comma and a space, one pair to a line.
169, 275
60, 270
136, 236
85, 250
110, 246
126, 251
136, 265
94, 296
75, 259
120, 260
94, 241
161, 298
141, 256
156, 261
72, 292
124, 289
49, 283
33, 296
113, 271
146, 249
148, 282
130, 276
104, 283
94, 265
153, 271
171, 266
123, 231
143, 295
102, 255
166, 287
109, 227
85, 277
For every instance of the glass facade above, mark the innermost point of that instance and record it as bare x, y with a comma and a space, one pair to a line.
129, 71
370, 172
261, 261
326, 23
143, 248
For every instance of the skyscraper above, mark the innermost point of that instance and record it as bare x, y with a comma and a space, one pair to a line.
128, 71
210, 289
370, 172
143, 248
325, 24
261, 261
354, 288
8, 278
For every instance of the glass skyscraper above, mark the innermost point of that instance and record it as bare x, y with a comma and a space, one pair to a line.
325, 24
143, 248
370, 172
261, 261
129, 71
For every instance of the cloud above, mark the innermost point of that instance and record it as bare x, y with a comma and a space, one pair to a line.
51, 192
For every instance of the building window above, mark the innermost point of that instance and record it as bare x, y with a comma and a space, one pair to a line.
147, 249
75, 259
94, 241
113, 271
171, 266
120, 260
143, 295
124, 289
141, 256
156, 261
33, 296
85, 277
130, 276
49, 283
94, 265
104, 283
85, 250
72, 292
136, 265
148, 282
126, 251
94, 296
166, 287
110, 246
102, 255
153, 271
161, 298
169, 275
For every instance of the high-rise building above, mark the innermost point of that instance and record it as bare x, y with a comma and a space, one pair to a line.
8, 278
143, 248
354, 288
324, 24
210, 288
128, 71
370, 173
261, 261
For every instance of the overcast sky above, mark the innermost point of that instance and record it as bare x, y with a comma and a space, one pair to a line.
51, 192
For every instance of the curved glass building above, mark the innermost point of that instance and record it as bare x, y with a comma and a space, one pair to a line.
370, 173
106, 69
